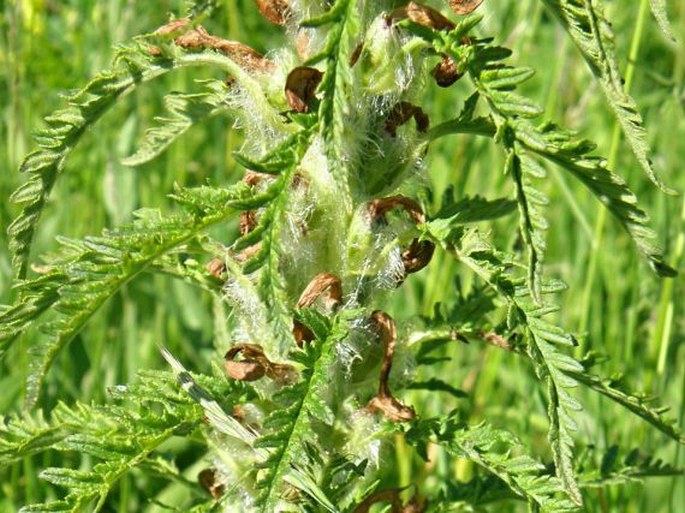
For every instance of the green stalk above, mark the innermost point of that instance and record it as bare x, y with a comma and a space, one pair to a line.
613, 156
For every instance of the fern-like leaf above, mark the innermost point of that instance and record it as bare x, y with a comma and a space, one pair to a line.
134, 65
499, 453
88, 272
641, 405
120, 437
185, 110
658, 8
591, 32
542, 338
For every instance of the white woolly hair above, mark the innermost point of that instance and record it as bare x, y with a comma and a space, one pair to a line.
249, 310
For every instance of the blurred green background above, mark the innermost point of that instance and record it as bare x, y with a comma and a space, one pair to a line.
614, 304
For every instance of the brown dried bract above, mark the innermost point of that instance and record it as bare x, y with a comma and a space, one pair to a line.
384, 402
465, 6
445, 72
402, 113
421, 15
208, 480
300, 87
255, 365
276, 11
323, 283
418, 255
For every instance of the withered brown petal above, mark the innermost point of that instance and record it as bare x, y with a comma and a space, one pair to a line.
246, 57
208, 480
322, 283
401, 113
496, 340
445, 72
247, 253
300, 87
421, 15
276, 11
465, 6
418, 255
196, 38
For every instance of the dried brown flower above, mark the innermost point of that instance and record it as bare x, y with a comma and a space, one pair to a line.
276, 11
445, 72
251, 368
379, 207
401, 113
173, 27
253, 178
418, 255
300, 87
421, 15
247, 221
208, 480
197, 38
216, 267
255, 365
322, 284
384, 402
465, 6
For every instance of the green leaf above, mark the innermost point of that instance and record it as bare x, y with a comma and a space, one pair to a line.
185, 110
134, 65
592, 35
658, 8
500, 454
